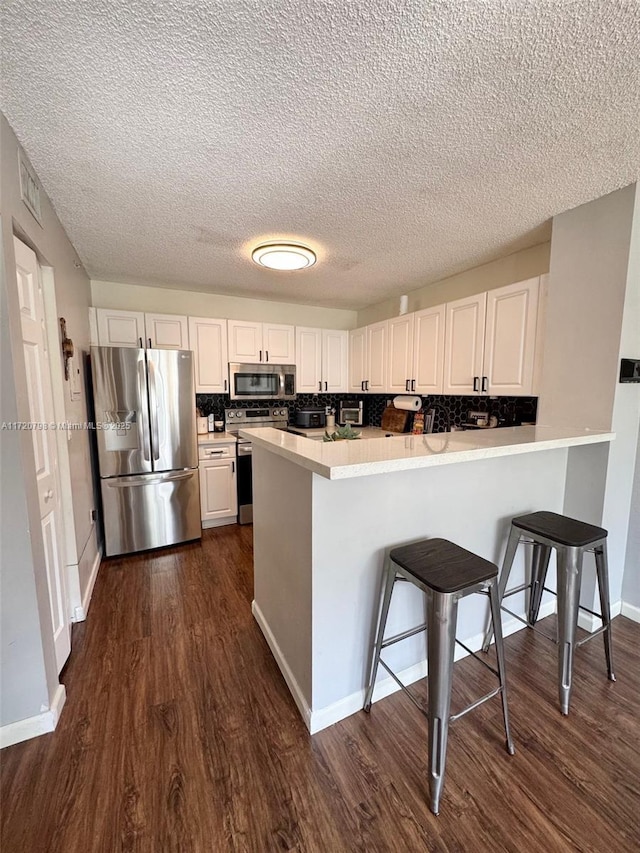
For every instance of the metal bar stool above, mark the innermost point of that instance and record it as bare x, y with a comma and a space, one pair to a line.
570, 538
445, 573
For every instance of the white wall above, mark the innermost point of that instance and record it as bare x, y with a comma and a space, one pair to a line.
21, 523
593, 319
135, 297
631, 581
516, 267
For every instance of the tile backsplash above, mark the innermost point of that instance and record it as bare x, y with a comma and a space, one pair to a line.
449, 410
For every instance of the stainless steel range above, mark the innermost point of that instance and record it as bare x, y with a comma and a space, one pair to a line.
243, 419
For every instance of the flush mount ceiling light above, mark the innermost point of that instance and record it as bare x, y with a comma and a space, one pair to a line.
284, 256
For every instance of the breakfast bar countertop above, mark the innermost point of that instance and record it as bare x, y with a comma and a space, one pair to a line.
359, 458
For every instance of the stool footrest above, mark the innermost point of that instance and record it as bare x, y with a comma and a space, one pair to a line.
405, 635
600, 630
475, 704
404, 688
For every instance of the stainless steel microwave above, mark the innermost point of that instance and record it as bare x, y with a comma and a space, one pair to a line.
262, 381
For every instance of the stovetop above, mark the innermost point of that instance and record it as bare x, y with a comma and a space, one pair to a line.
269, 416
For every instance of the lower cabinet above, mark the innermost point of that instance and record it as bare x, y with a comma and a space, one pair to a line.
218, 490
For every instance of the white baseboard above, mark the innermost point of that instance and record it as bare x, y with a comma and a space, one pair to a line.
41, 724
316, 720
592, 623
81, 612
219, 522
630, 611
294, 687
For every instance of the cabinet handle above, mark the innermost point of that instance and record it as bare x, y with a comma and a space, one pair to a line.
260, 355
406, 385
326, 386
225, 386
233, 467
266, 355
141, 344
362, 385
413, 384
366, 384
319, 385
150, 347
476, 380
485, 382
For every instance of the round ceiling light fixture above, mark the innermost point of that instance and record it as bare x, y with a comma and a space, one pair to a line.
284, 256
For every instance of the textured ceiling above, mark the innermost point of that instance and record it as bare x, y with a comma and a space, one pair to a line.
405, 140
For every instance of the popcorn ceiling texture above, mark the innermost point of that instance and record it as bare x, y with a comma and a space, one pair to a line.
406, 140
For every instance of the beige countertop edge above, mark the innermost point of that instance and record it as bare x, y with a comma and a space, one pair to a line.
211, 437
404, 457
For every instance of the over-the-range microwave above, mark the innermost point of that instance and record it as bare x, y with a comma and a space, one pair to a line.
262, 381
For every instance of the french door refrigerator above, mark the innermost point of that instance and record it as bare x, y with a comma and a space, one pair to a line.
144, 403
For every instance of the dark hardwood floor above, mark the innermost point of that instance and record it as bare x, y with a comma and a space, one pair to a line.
179, 734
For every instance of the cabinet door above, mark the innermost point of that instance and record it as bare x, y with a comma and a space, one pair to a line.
428, 349
401, 330
120, 328
208, 340
377, 346
308, 360
335, 361
510, 338
464, 344
245, 341
166, 331
218, 496
279, 344
357, 359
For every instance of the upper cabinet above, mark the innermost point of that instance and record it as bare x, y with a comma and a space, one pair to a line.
490, 341
255, 343
368, 357
166, 331
135, 329
416, 352
120, 328
208, 340
322, 360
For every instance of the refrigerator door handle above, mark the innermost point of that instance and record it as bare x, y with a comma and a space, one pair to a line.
143, 420
153, 410
147, 479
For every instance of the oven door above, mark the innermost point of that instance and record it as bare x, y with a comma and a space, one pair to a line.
262, 381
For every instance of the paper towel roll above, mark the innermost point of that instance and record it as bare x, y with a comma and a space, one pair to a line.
409, 404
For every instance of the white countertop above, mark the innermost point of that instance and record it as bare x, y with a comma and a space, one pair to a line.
358, 458
318, 432
212, 437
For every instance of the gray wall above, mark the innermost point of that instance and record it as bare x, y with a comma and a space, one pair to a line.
631, 583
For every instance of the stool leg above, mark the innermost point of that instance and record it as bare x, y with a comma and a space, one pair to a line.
495, 618
509, 554
569, 579
603, 588
539, 568
442, 610
390, 579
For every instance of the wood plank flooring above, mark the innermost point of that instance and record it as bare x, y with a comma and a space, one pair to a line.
179, 734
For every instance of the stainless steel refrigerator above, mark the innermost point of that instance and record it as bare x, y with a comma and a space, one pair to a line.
144, 403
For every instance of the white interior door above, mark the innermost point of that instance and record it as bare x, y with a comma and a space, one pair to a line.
41, 413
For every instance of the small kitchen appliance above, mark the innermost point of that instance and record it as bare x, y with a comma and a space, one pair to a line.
262, 381
311, 418
350, 412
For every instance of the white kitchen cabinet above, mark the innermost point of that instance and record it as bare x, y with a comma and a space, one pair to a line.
166, 331
208, 340
368, 358
428, 350
255, 343
464, 344
120, 328
376, 379
400, 350
218, 487
335, 361
135, 329
357, 359
322, 360
510, 338
491, 340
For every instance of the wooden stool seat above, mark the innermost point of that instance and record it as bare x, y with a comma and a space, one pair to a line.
560, 528
442, 565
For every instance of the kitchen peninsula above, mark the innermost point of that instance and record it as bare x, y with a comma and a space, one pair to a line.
324, 514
